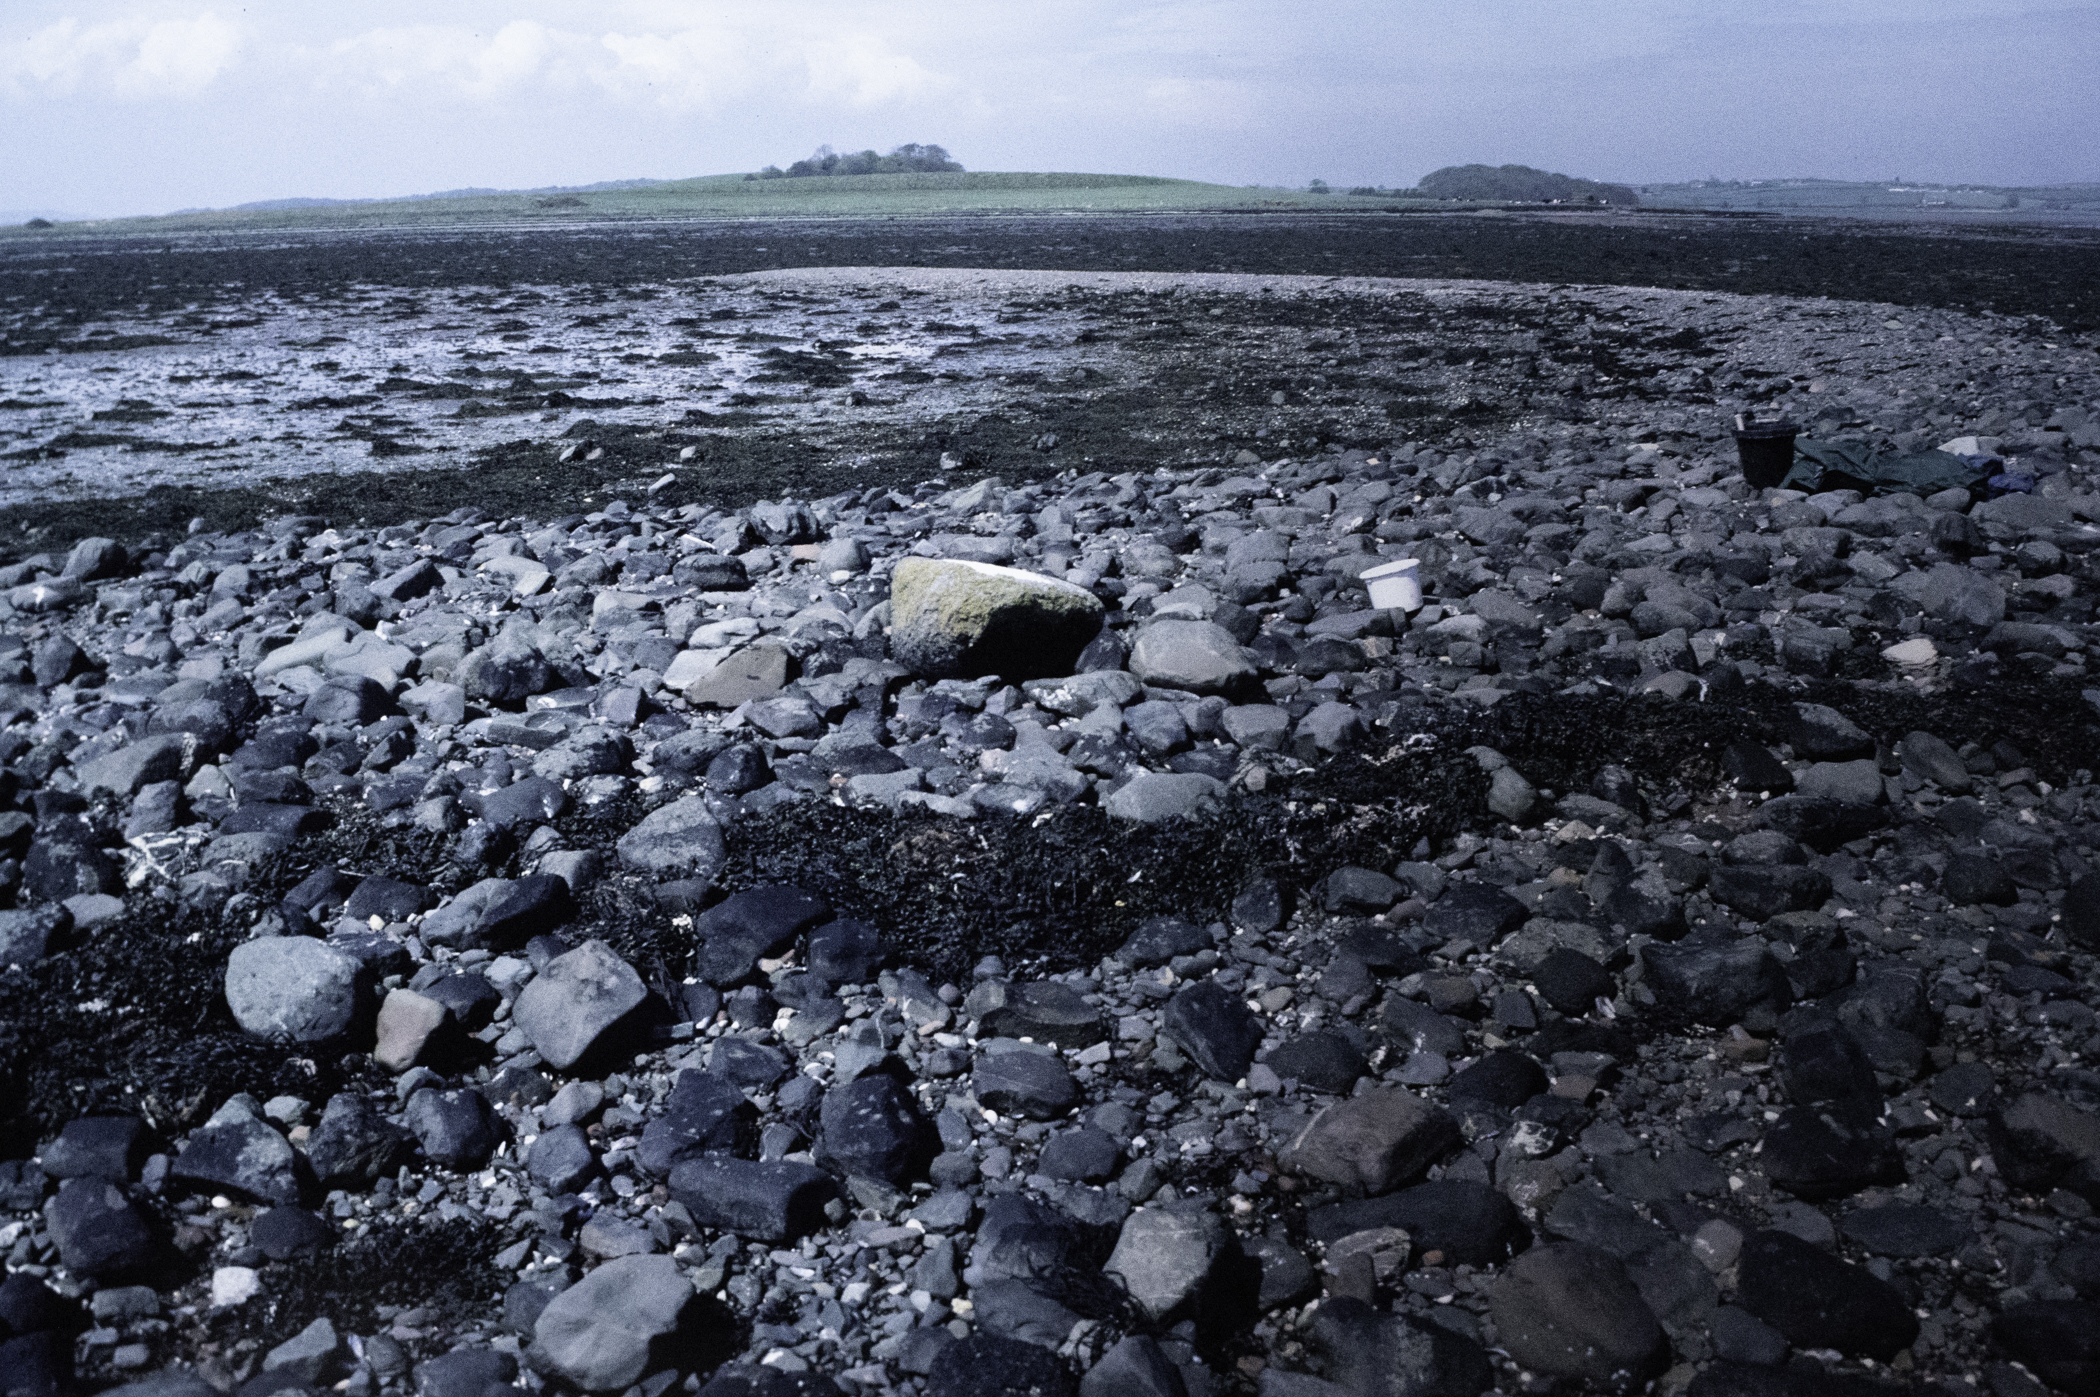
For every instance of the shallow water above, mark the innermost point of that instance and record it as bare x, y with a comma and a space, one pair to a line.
379, 378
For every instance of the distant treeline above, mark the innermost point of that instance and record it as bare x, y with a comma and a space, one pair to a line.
905, 159
1520, 183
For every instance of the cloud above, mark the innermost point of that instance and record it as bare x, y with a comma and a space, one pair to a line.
688, 68
134, 59
180, 57
1210, 103
515, 56
449, 57
864, 70
684, 69
54, 57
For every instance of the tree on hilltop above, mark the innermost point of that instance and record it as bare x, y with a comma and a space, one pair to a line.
907, 158
1521, 183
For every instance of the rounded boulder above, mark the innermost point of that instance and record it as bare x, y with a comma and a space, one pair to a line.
951, 618
292, 987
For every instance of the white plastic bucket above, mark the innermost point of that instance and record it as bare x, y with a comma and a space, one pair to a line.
1395, 586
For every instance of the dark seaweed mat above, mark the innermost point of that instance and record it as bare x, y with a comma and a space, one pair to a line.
1561, 740
445, 1268
523, 476
1060, 892
2049, 720
167, 1049
1050, 892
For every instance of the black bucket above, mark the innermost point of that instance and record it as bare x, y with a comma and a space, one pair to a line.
1766, 450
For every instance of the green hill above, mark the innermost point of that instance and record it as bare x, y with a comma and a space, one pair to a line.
915, 194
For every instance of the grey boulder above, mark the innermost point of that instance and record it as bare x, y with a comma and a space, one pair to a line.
26, 934
1375, 1142
242, 1156
1947, 592
1214, 1027
1569, 1310
95, 558
577, 1001
1023, 1083
98, 1230
679, 840
293, 987
306, 1356
874, 1127
508, 671
1158, 795
774, 1201
354, 1144
458, 1129
561, 1159
628, 1318
1194, 655
1364, 1351
1168, 1257
1135, 1367
150, 759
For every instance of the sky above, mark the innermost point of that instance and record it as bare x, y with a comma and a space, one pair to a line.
113, 108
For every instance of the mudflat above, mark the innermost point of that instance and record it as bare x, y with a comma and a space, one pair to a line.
142, 380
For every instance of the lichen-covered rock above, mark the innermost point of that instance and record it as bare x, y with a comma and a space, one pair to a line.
952, 618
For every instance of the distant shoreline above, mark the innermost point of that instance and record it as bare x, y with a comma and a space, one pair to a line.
737, 197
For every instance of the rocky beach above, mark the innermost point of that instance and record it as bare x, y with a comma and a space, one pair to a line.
767, 830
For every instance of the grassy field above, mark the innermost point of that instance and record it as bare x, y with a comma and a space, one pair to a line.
734, 196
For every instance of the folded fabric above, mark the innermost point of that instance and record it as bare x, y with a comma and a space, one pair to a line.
1853, 465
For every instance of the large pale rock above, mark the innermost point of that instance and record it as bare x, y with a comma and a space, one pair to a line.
951, 618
